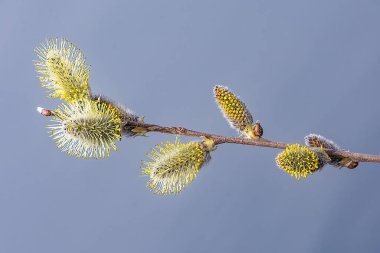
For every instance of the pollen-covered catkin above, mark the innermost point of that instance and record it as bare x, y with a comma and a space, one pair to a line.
235, 111
298, 161
175, 165
86, 128
63, 70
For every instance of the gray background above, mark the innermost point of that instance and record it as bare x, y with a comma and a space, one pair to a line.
301, 67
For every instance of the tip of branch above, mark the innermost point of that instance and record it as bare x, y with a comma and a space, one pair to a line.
40, 109
44, 112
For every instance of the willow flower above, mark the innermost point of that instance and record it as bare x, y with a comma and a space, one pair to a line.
175, 165
236, 112
63, 70
86, 128
298, 161
318, 141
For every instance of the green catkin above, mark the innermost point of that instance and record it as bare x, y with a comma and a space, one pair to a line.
175, 165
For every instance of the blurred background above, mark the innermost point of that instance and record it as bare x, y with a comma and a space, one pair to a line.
300, 66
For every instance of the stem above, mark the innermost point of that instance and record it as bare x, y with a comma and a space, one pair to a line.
219, 139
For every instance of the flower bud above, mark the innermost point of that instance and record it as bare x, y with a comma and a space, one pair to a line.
44, 112
258, 130
318, 141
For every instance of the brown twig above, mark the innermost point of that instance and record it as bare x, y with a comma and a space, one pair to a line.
219, 139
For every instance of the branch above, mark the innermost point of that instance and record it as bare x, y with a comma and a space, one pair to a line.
219, 139
88, 126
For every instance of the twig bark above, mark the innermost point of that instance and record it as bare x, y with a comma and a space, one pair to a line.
219, 139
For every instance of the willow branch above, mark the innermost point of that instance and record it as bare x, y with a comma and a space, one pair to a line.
219, 139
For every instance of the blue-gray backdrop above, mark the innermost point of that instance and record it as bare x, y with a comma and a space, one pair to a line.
301, 67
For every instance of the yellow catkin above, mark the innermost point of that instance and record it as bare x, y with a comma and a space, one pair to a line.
86, 129
63, 70
235, 111
175, 165
298, 161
